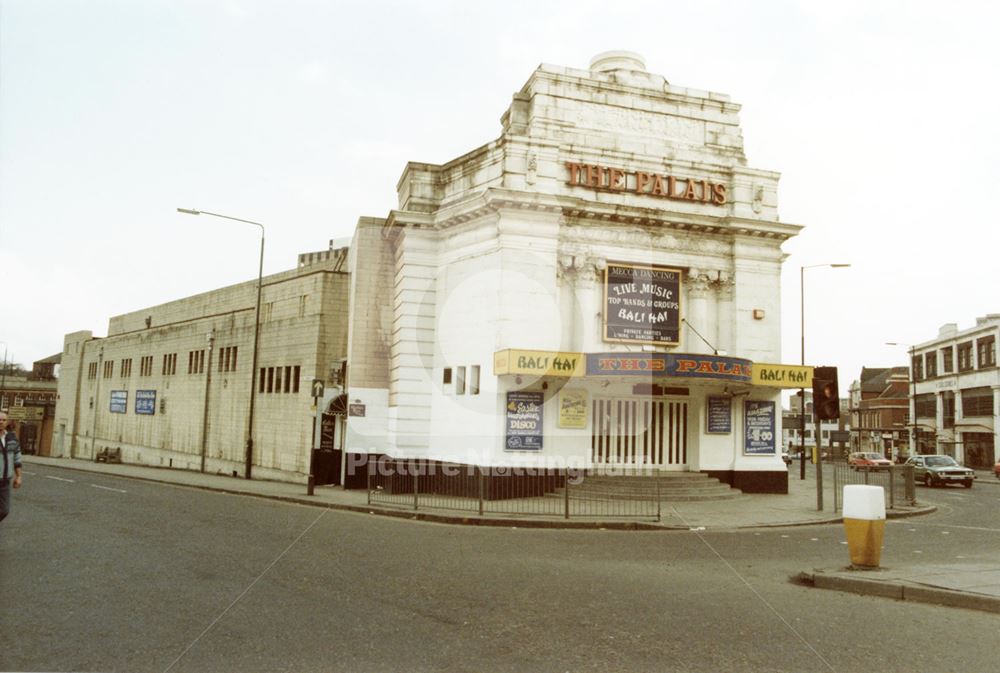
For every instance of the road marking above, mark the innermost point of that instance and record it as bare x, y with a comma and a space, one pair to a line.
71, 481
108, 488
951, 525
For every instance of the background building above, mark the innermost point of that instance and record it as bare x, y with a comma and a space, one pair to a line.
880, 411
29, 400
957, 392
792, 438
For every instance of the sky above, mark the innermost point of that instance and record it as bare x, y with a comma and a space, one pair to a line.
880, 116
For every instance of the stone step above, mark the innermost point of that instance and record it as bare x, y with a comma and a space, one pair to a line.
693, 487
666, 477
731, 494
695, 495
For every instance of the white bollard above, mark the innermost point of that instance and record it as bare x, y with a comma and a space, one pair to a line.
864, 523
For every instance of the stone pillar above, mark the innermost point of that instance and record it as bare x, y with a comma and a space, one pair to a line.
697, 315
725, 288
996, 420
580, 303
959, 416
939, 447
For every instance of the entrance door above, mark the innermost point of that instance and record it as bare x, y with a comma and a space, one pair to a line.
328, 459
630, 432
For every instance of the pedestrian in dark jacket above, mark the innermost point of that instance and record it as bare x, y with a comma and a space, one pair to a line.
11, 475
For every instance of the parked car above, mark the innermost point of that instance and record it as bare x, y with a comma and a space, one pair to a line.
937, 469
863, 460
996, 469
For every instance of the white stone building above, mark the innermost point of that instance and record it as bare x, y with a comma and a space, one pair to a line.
957, 392
591, 290
597, 288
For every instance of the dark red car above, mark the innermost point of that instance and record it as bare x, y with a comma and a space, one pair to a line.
862, 460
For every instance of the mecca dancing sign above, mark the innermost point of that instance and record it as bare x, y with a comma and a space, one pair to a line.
642, 304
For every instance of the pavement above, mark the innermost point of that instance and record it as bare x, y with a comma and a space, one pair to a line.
975, 586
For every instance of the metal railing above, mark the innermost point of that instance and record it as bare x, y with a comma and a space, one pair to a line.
897, 481
484, 490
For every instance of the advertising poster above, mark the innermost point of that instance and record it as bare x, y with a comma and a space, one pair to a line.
145, 402
119, 401
524, 421
720, 415
572, 408
758, 426
642, 304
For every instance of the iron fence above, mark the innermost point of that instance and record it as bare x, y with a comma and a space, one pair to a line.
897, 482
485, 490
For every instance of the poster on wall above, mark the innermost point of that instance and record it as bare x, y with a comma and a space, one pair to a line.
719, 417
758, 428
145, 402
524, 421
572, 408
119, 401
642, 304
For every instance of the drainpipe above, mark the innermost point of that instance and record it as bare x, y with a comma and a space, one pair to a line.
204, 415
97, 402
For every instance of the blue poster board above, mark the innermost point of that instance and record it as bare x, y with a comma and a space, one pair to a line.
758, 428
119, 401
720, 415
524, 421
145, 402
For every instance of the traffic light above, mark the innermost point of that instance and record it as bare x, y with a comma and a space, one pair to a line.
826, 398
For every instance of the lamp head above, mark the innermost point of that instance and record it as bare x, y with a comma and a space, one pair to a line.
189, 211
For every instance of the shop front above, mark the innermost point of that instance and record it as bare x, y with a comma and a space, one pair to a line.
641, 413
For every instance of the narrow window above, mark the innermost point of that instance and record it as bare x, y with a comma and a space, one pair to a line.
277, 380
288, 379
260, 379
474, 380
232, 366
459, 380
270, 379
295, 381
446, 377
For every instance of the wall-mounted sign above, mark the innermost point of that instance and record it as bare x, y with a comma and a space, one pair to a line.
145, 402
26, 413
119, 401
524, 421
642, 304
782, 376
538, 363
328, 432
680, 365
719, 415
758, 428
607, 178
355, 409
572, 408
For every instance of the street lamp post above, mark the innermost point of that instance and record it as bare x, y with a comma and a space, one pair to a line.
802, 392
248, 468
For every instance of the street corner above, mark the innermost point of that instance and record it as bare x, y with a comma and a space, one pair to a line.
896, 584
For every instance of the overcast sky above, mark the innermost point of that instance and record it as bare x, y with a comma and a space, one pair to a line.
880, 116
